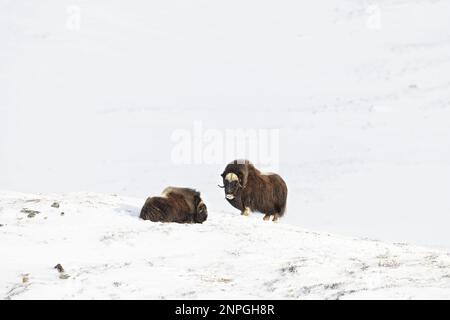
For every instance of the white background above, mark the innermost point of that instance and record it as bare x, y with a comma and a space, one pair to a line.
362, 102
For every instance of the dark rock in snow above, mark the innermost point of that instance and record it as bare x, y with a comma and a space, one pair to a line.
29, 211
59, 268
33, 200
62, 274
25, 278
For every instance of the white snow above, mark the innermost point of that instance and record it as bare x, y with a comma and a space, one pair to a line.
360, 93
109, 253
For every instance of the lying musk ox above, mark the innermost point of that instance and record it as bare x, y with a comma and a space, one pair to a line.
181, 205
249, 190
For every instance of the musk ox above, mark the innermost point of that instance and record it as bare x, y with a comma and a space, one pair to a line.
250, 190
181, 205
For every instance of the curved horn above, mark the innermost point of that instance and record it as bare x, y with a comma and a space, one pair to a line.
220, 186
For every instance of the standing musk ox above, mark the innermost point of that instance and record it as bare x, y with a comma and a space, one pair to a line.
181, 205
249, 190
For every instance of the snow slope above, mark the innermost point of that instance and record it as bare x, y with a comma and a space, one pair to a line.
360, 91
107, 252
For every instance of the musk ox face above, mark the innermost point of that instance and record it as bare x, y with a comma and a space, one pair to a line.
235, 177
231, 184
201, 213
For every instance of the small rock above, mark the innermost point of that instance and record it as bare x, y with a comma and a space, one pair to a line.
64, 276
25, 278
29, 211
62, 213
31, 215
1, 225
33, 200
55, 205
59, 268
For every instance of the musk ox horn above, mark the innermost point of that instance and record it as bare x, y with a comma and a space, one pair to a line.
220, 186
240, 185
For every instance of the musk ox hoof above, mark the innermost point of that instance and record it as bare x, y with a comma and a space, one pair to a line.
246, 212
275, 217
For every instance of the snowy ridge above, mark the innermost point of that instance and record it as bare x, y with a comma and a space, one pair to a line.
360, 91
107, 252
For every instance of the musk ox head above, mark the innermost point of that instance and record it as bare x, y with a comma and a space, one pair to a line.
201, 213
235, 177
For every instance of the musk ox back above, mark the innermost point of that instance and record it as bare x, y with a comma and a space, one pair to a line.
250, 190
181, 205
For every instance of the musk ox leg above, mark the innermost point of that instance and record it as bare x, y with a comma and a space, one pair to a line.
246, 211
267, 217
276, 217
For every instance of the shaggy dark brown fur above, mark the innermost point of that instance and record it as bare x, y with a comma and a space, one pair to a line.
250, 190
181, 205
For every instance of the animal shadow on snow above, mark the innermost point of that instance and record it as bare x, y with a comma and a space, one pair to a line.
133, 211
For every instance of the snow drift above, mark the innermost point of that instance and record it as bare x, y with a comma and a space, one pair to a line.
107, 252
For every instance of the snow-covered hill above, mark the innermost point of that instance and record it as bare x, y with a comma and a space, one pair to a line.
106, 251
92, 91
